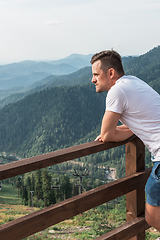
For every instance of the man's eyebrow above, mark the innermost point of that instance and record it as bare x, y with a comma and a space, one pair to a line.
95, 73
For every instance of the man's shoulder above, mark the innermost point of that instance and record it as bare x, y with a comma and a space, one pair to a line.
129, 82
126, 78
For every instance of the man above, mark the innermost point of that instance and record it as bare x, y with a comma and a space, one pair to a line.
137, 106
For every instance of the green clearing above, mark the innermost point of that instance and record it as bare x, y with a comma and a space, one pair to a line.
9, 195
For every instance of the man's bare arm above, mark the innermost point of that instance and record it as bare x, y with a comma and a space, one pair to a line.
110, 132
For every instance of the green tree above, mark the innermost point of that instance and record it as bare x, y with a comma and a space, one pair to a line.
66, 187
38, 184
46, 187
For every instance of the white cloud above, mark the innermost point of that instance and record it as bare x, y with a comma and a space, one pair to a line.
54, 22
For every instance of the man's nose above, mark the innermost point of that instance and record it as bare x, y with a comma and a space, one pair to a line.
93, 79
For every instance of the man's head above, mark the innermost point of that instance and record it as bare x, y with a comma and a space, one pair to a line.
106, 69
109, 59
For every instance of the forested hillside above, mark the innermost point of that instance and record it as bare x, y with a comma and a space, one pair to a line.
53, 117
146, 67
50, 119
80, 77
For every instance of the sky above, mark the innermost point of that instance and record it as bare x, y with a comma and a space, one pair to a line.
54, 29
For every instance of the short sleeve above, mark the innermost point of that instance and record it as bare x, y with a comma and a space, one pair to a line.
116, 100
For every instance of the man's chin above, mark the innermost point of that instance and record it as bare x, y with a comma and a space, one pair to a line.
98, 90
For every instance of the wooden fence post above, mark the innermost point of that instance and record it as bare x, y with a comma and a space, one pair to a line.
135, 200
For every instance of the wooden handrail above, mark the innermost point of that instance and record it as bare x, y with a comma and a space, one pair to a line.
68, 208
127, 230
132, 185
45, 160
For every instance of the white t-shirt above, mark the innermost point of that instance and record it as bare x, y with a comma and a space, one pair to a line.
139, 106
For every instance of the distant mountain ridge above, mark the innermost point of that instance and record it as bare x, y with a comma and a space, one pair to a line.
26, 73
82, 76
16, 81
76, 60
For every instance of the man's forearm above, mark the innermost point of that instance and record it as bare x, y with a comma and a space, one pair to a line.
110, 132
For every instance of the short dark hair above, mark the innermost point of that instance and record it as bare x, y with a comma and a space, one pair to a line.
109, 59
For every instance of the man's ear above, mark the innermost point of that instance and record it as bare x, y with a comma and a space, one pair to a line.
111, 72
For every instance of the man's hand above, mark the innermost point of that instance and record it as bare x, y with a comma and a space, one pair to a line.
98, 138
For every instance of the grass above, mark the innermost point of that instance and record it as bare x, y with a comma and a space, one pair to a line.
10, 212
9, 195
152, 234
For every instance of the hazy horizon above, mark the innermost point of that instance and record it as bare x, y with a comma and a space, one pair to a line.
52, 30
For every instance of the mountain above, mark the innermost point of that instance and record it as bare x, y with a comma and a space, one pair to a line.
28, 67
7, 92
21, 81
76, 60
27, 72
146, 66
80, 77
20, 77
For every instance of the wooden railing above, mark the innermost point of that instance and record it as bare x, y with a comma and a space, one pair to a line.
132, 185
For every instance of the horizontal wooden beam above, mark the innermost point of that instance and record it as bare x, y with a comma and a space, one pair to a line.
45, 160
42, 219
127, 230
